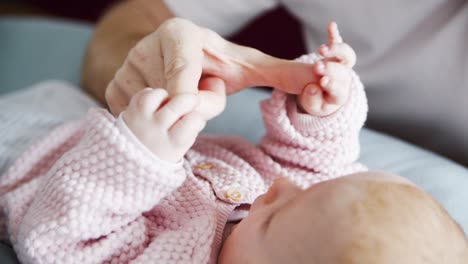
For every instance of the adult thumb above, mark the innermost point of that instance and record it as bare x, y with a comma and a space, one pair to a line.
212, 92
260, 69
289, 76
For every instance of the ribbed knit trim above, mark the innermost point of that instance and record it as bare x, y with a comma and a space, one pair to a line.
223, 212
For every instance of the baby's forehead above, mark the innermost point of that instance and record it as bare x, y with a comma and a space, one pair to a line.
363, 202
371, 191
355, 181
363, 183
374, 176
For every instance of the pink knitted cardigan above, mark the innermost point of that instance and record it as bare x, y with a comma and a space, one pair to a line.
87, 193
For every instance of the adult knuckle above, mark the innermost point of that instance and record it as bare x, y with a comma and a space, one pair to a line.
120, 81
175, 65
138, 56
174, 24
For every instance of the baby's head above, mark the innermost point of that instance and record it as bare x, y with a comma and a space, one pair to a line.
371, 217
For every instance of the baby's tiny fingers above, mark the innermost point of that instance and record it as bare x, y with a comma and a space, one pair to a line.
147, 101
337, 71
311, 99
177, 107
336, 91
334, 35
185, 131
342, 52
334, 70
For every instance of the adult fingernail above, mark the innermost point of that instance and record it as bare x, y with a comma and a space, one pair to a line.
312, 91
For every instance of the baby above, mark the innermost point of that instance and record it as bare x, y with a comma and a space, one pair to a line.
146, 188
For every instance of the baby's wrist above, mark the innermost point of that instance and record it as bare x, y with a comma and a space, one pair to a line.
128, 133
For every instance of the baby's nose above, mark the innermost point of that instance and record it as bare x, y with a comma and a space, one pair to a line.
282, 189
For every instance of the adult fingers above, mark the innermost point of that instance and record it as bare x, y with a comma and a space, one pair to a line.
146, 61
121, 89
182, 52
290, 76
212, 97
242, 67
116, 98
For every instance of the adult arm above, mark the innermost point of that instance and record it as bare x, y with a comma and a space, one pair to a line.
116, 33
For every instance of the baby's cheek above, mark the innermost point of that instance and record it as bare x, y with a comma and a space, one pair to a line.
243, 243
230, 248
228, 230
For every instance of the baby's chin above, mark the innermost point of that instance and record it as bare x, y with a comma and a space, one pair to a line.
230, 226
236, 217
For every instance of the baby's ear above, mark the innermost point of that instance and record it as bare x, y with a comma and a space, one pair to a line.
212, 92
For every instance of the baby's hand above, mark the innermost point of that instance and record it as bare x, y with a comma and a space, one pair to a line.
332, 91
166, 127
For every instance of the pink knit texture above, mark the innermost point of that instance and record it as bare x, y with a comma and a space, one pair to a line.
87, 194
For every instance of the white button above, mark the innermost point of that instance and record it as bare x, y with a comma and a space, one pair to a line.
233, 195
205, 166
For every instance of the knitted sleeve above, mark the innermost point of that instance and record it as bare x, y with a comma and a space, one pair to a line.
90, 203
327, 145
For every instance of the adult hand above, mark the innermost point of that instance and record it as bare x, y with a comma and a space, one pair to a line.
185, 58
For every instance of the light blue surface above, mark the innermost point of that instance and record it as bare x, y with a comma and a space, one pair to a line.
32, 50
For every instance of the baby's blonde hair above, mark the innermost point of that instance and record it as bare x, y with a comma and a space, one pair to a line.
399, 223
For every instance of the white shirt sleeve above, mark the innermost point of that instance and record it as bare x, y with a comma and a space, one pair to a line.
223, 16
